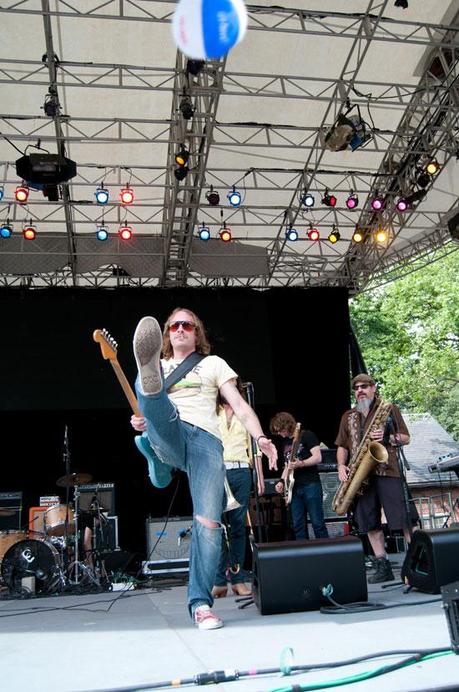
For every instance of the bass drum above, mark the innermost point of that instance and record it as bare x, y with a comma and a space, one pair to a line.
32, 558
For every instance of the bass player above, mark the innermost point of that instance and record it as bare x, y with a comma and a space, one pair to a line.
384, 489
307, 495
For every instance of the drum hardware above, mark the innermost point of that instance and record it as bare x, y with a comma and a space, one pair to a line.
73, 479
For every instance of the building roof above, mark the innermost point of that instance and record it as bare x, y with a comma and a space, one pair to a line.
429, 442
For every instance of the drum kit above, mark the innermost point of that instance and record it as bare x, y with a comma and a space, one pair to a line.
46, 559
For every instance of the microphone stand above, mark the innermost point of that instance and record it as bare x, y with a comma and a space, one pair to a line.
403, 466
253, 449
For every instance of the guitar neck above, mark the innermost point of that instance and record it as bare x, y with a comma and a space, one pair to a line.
127, 389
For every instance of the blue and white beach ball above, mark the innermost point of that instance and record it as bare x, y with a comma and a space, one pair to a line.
208, 29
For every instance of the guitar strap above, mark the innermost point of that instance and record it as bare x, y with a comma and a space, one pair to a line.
182, 369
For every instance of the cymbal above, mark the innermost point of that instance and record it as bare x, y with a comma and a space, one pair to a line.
73, 479
6, 512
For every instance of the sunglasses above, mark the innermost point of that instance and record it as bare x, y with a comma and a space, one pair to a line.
187, 326
361, 386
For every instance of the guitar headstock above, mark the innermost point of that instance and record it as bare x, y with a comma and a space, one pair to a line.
108, 345
297, 432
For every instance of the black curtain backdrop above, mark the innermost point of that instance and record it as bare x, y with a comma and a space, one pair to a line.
293, 344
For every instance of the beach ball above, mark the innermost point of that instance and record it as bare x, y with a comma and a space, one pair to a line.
208, 29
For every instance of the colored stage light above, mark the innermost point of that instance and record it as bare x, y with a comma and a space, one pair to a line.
181, 172
352, 201
125, 232
21, 194
308, 200
432, 167
6, 230
423, 180
313, 234
402, 204
29, 232
182, 157
381, 236
377, 203
225, 234
357, 236
203, 232
102, 233
329, 200
2, 192
234, 197
102, 195
291, 234
127, 195
334, 235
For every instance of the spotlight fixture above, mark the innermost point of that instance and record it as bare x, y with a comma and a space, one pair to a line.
45, 169
234, 197
401, 204
182, 156
401, 3
313, 234
432, 167
194, 67
291, 234
352, 201
102, 233
102, 195
6, 230
348, 131
181, 173
212, 197
125, 232
203, 232
357, 236
417, 196
29, 232
329, 200
21, 194
225, 234
127, 195
381, 236
377, 203
307, 199
2, 192
186, 108
334, 235
423, 180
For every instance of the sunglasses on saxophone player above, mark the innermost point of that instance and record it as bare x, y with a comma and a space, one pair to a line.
360, 386
187, 326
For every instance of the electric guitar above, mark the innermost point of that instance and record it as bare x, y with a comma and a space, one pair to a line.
160, 475
290, 477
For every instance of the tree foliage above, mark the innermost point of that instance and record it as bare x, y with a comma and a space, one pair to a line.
408, 332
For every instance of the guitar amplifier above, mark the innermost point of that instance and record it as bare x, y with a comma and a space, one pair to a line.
168, 546
104, 493
10, 510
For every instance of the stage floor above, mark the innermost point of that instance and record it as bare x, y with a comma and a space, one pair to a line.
143, 637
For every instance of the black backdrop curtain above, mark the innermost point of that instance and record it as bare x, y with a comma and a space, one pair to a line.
293, 344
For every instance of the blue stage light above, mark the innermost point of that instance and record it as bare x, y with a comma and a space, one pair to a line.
102, 195
102, 233
203, 232
291, 234
234, 197
6, 230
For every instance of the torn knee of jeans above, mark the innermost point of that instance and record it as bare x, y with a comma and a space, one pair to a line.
208, 523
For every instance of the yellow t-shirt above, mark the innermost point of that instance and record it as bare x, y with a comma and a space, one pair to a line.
195, 395
235, 438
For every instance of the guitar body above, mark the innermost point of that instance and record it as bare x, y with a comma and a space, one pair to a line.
290, 478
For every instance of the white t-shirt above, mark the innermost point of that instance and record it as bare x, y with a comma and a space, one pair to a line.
195, 395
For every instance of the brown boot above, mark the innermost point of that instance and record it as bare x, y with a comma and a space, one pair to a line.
219, 591
383, 571
241, 589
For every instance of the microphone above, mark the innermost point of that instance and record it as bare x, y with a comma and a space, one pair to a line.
184, 534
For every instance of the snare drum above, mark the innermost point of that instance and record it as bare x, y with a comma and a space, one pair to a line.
9, 538
54, 520
32, 558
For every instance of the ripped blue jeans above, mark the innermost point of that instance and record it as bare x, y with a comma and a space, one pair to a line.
200, 455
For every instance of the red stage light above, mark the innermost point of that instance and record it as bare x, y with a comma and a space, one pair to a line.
125, 232
127, 195
21, 194
29, 232
313, 234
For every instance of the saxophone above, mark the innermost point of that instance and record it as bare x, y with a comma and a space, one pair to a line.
368, 455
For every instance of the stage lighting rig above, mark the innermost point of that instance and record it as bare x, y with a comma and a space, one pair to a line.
307, 199
349, 131
186, 108
45, 172
291, 234
329, 200
212, 197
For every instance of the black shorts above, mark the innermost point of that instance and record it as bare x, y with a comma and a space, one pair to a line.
385, 493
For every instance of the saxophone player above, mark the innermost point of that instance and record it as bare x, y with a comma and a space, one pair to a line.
384, 489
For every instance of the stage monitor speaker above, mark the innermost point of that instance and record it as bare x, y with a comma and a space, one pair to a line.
432, 560
289, 576
104, 493
10, 511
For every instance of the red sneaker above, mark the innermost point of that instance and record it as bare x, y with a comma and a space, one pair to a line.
205, 619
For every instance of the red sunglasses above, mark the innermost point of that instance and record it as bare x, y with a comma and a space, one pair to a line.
187, 326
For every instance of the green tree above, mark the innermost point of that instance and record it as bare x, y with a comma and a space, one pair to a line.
409, 335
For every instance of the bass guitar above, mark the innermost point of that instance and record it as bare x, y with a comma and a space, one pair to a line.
289, 480
160, 474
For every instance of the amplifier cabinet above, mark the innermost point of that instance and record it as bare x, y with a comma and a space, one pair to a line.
104, 493
289, 576
168, 540
12, 503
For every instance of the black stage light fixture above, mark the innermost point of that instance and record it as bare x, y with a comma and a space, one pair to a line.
46, 171
453, 226
417, 196
194, 67
186, 108
181, 173
212, 197
401, 3
423, 179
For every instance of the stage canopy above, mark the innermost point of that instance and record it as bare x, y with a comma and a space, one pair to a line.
344, 97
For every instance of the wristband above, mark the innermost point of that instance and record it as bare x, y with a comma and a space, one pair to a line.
261, 437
